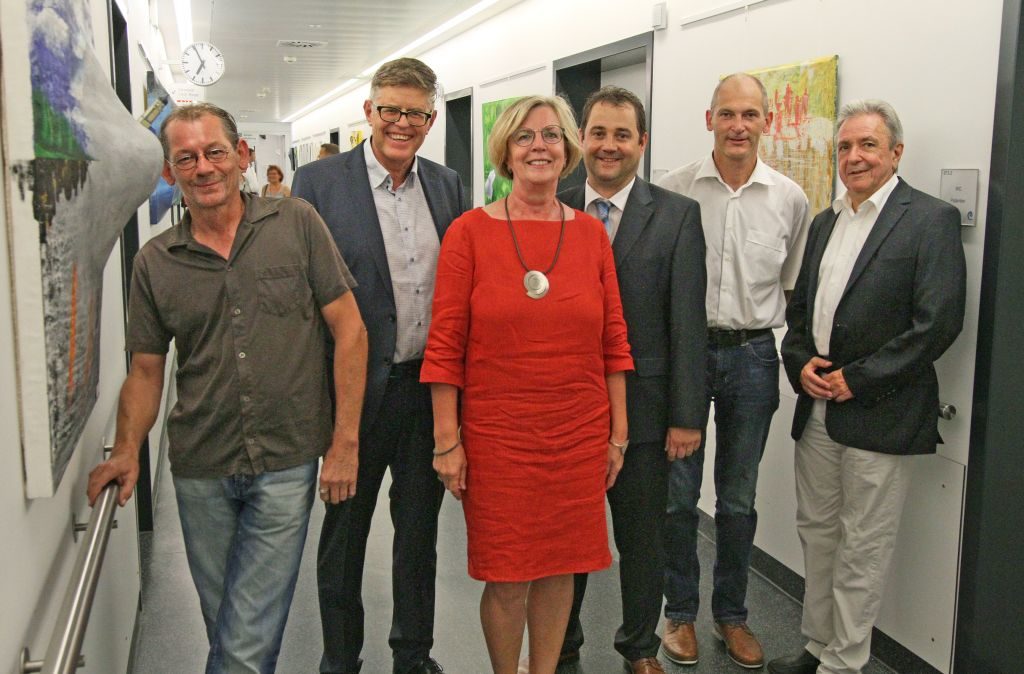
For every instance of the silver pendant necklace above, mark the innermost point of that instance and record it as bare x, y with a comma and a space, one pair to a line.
536, 282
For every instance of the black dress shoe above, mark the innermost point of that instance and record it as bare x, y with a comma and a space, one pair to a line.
426, 666
805, 663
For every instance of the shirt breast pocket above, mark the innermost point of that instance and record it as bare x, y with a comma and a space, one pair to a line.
282, 290
764, 254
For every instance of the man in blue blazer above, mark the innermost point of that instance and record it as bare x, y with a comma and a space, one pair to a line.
387, 210
658, 245
880, 296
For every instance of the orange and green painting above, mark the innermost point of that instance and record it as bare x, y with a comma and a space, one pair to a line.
800, 142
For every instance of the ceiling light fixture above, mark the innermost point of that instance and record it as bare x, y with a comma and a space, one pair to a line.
183, 16
351, 84
290, 59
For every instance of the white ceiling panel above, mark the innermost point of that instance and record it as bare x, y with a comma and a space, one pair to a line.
357, 33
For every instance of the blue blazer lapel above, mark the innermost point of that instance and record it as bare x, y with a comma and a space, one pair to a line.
635, 218
433, 191
364, 210
894, 209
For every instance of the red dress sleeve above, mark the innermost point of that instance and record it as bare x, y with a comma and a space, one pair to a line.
617, 356
444, 361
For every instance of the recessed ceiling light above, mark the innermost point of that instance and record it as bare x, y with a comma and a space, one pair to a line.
315, 25
290, 59
261, 94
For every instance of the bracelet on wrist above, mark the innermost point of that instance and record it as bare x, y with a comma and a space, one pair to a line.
621, 447
458, 441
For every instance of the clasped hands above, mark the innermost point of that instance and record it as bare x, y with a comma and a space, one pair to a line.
828, 386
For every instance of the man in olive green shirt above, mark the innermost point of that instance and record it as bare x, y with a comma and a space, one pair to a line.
245, 287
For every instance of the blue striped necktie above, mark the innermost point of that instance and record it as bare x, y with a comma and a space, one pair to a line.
604, 208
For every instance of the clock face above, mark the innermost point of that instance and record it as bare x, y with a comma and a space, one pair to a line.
202, 63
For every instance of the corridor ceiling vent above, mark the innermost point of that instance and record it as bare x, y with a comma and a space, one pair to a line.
301, 44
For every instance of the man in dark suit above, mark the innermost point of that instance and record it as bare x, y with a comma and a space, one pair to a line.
879, 298
387, 210
658, 245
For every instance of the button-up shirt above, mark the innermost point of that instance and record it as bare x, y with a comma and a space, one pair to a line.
618, 205
412, 246
251, 373
755, 239
848, 236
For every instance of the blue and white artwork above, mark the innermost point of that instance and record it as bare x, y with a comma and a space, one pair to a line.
89, 165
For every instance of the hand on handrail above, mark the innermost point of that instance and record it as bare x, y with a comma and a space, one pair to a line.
121, 467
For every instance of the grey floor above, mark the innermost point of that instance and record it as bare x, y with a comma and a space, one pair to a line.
171, 638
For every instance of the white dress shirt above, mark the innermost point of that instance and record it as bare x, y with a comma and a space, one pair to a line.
841, 251
755, 239
411, 243
618, 201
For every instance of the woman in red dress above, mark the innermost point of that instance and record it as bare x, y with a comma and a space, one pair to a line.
527, 325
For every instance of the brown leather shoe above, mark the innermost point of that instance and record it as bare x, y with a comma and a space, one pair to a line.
680, 642
645, 666
741, 644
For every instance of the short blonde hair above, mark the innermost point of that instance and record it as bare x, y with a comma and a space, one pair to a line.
511, 120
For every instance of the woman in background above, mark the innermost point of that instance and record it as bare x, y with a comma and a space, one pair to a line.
275, 187
527, 324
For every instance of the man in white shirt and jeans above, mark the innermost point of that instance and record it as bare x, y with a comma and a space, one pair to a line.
755, 224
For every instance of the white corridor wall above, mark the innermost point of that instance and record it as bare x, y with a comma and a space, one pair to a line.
935, 64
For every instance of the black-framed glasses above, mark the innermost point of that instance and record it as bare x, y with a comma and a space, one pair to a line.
187, 162
549, 134
415, 117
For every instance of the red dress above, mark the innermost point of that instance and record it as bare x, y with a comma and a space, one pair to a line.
534, 404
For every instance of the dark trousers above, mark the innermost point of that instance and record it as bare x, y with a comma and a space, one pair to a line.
401, 439
638, 502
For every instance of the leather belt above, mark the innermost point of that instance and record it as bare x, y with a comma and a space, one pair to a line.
409, 369
721, 337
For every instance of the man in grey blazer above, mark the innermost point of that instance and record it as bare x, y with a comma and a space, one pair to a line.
387, 210
658, 245
879, 298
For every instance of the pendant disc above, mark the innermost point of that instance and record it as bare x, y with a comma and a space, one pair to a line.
536, 284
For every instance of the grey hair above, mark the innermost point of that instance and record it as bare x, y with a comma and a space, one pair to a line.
192, 113
405, 72
743, 76
873, 106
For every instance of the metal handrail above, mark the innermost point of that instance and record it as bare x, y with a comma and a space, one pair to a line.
63, 652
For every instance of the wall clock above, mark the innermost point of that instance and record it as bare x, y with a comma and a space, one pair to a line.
202, 63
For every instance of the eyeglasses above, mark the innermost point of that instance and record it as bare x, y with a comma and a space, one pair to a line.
415, 117
187, 162
549, 134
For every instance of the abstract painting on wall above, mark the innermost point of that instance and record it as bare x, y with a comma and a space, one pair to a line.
495, 186
800, 142
78, 164
158, 106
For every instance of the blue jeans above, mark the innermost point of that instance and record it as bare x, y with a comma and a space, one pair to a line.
743, 383
243, 537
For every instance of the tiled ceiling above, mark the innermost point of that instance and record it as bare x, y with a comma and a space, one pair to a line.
357, 33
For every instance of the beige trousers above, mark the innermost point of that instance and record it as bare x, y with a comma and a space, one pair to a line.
849, 503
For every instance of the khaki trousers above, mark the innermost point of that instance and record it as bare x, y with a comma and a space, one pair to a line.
849, 503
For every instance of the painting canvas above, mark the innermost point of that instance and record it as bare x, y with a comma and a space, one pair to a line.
158, 106
78, 165
495, 186
800, 142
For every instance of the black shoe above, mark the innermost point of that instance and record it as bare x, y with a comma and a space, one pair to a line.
426, 666
569, 657
805, 663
